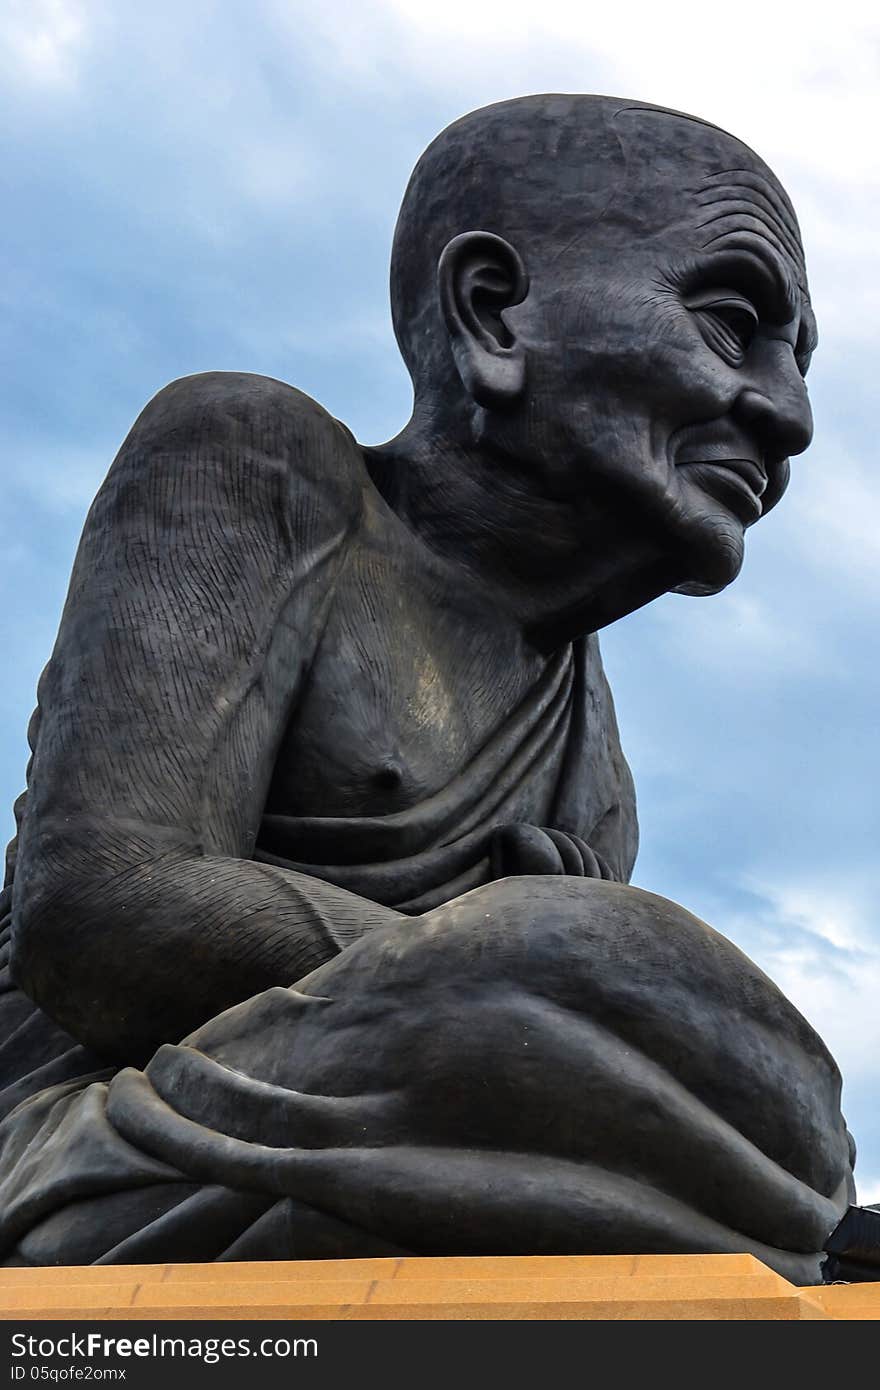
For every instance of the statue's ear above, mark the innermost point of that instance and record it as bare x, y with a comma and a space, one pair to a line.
479, 276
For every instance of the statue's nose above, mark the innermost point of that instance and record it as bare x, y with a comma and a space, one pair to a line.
774, 404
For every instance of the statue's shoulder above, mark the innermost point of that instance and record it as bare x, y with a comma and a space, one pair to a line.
249, 421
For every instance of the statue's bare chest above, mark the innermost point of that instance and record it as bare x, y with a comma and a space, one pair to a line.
403, 690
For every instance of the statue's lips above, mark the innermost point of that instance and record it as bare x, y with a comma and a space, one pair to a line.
738, 483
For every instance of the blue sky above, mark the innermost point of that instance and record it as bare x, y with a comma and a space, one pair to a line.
192, 186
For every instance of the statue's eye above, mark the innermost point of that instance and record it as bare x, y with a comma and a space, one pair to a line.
728, 322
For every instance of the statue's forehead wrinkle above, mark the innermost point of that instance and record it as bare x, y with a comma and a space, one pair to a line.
761, 181
754, 196
735, 209
674, 160
733, 212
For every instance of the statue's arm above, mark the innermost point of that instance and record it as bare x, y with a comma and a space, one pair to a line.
200, 589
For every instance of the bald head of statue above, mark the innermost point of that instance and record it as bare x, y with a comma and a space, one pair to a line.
608, 301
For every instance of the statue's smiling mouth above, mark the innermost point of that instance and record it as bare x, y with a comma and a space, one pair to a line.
727, 467
739, 484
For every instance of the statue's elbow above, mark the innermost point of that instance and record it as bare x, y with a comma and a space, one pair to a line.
52, 964
34, 957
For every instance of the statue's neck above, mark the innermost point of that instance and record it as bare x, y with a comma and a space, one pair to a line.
561, 569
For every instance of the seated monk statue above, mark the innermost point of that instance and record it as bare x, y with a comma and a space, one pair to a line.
319, 930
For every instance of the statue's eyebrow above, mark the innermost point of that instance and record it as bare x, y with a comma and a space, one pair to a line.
752, 260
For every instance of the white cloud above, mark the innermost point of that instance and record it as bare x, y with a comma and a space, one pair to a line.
816, 938
42, 41
781, 73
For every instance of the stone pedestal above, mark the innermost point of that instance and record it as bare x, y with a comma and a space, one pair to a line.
601, 1287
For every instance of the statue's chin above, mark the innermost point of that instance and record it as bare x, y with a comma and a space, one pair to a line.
694, 589
713, 564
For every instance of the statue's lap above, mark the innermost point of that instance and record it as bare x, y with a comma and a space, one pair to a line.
533, 1066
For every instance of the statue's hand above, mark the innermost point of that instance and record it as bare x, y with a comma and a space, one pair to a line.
527, 849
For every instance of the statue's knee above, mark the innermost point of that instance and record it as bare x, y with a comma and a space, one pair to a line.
531, 928
562, 908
